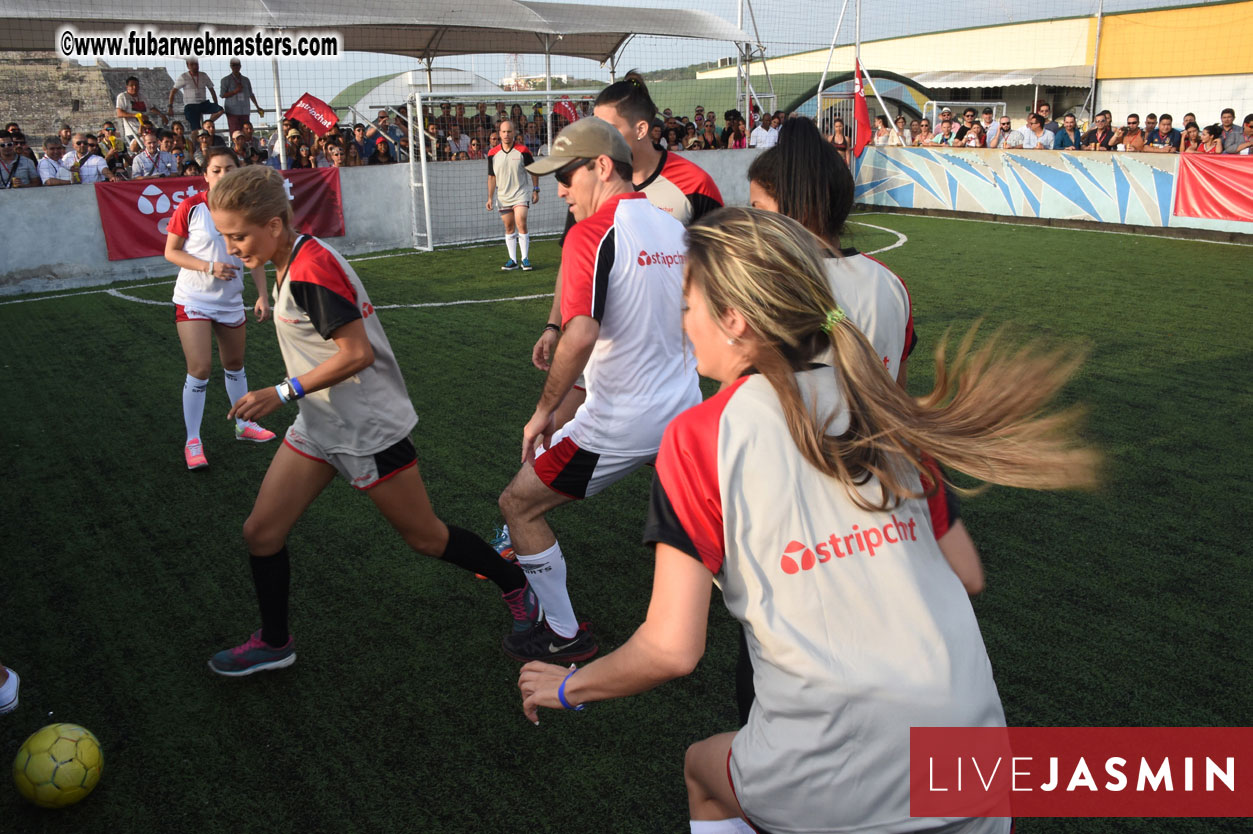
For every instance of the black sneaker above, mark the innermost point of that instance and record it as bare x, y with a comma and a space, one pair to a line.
542, 643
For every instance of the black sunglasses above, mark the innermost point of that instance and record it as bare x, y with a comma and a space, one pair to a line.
566, 173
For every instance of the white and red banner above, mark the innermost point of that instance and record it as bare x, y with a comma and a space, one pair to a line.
861, 114
1081, 772
135, 215
565, 108
314, 112
1218, 187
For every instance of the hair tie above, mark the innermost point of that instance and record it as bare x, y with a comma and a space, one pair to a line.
834, 317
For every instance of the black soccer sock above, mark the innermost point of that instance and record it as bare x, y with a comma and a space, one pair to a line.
466, 550
272, 577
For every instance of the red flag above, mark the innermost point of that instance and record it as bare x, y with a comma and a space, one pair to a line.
861, 114
565, 108
317, 114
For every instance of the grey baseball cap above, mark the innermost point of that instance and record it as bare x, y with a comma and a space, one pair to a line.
587, 138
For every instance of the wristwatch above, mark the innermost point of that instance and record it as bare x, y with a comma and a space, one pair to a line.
286, 389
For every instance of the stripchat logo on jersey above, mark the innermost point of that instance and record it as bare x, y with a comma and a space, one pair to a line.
798, 556
650, 258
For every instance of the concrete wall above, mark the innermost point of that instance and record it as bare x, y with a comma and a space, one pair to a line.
53, 238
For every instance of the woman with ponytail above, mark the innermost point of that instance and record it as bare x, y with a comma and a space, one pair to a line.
804, 178
798, 487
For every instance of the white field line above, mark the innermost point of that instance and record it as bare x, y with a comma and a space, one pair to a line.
901, 240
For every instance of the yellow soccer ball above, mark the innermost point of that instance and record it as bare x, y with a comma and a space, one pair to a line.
58, 765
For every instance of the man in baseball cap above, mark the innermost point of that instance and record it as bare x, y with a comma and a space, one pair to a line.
596, 148
621, 328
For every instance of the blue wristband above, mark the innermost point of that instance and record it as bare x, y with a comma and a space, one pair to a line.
297, 387
561, 694
278, 389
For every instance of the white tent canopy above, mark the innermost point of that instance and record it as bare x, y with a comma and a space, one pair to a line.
427, 31
1079, 76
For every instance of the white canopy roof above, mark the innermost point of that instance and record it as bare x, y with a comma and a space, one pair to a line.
1080, 76
428, 30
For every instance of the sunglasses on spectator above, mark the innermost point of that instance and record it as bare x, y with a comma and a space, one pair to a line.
79, 143
7, 144
566, 174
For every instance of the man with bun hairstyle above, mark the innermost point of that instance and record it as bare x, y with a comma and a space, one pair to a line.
621, 307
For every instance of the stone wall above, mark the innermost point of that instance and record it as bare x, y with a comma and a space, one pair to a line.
41, 92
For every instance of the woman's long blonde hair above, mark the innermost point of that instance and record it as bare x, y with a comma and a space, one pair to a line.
985, 417
255, 191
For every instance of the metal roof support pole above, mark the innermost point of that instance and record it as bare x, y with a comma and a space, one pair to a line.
548, 90
278, 115
765, 65
822, 82
739, 58
1089, 103
430, 87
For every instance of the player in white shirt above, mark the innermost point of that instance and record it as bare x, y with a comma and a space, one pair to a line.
209, 301
797, 488
355, 417
621, 275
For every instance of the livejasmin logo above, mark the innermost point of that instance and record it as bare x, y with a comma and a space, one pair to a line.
645, 259
798, 557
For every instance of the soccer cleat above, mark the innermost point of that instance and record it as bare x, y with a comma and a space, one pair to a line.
8, 692
251, 431
526, 265
510, 264
525, 608
502, 544
193, 453
254, 655
541, 643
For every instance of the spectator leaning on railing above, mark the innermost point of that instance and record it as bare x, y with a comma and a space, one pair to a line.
1100, 136
1034, 136
51, 171
1068, 138
1165, 139
1245, 145
15, 171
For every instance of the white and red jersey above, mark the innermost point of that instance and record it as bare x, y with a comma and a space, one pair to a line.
200, 290
623, 266
877, 301
857, 627
365, 413
681, 188
508, 166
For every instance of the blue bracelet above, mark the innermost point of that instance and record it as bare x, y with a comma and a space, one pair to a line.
297, 387
561, 694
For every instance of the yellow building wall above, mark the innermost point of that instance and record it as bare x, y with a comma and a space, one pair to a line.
1200, 40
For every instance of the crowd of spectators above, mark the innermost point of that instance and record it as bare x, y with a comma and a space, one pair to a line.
1157, 134
132, 146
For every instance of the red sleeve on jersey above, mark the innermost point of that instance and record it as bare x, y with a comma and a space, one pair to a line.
180, 223
322, 288
699, 188
941, 503
686, 511
586, 260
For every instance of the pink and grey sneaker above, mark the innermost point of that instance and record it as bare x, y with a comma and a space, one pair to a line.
193, 452
251, 431
254, 655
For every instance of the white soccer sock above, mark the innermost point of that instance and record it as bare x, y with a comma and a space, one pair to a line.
524, 245
193, 404
236, 387
547, 574
735, 825
511, 243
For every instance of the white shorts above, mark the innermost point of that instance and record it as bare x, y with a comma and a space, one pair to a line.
233, 319
578, 473
362, 471
506, 209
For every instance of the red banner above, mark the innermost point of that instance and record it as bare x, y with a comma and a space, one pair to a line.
1081, 771
1219, 187
134, 215
313, 111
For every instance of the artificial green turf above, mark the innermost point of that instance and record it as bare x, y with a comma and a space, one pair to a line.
122, 572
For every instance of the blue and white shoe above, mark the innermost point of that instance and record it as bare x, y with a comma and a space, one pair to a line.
502, 543
254, 655
510, 265
526, 265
